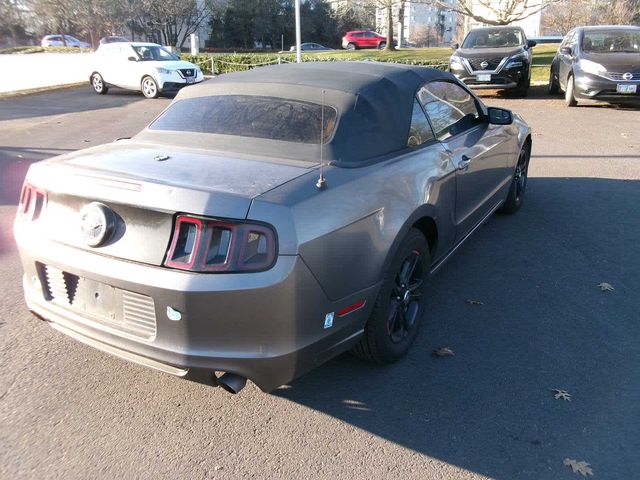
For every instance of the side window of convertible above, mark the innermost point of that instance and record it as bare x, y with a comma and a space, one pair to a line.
420, 131
451, 109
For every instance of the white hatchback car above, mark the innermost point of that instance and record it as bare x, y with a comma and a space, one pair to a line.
56, 41
146, 67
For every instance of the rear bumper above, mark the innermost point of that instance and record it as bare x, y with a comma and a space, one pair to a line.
267, 327
594, 87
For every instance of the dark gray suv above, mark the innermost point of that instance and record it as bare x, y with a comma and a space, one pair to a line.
494, 58
598, 63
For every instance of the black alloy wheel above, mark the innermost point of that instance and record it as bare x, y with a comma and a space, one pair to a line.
404, 301
394, 322
554, 84
518, 186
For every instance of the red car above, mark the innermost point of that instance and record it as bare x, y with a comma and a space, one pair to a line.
363, 39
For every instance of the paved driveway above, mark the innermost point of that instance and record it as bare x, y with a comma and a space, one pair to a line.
67, 411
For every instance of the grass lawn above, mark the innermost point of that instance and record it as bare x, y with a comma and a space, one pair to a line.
404, 54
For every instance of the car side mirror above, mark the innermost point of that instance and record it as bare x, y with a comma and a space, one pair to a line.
455, 46
499, 116
531, 43
566, 50
132, 59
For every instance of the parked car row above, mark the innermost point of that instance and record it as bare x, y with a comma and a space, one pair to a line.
592, 63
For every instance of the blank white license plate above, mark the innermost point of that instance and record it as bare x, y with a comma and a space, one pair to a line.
483, 77
191, 79
626, 88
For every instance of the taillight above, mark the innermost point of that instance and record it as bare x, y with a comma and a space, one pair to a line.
32, 202
210, 245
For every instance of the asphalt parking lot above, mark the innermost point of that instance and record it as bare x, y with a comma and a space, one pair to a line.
539, 322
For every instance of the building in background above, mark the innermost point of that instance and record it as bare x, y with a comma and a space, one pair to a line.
423, 24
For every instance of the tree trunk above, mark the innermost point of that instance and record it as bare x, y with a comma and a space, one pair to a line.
389, 47
401, 23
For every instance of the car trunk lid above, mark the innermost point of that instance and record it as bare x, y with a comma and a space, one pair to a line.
145, 186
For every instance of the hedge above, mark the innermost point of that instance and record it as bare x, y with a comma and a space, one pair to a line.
235, 62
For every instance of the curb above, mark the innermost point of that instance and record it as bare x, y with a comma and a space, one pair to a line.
30, 91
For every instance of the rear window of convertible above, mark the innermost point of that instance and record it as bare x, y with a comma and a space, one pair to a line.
250, 116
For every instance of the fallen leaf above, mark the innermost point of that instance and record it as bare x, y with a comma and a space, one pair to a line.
474, 302
578, 467
562, 394
605, 287
443, 352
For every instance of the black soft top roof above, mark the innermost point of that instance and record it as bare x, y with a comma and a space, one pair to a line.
374, 103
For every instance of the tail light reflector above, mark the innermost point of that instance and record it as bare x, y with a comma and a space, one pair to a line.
211, 245
32, 202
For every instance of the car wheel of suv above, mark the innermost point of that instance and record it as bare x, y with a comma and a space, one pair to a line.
394, 321
98, 84
381, 45
523, 88
149, 87
554, 84
351, 46
519, 183
569, 97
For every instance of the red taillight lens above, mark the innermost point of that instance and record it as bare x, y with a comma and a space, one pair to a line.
208, 245
32, 202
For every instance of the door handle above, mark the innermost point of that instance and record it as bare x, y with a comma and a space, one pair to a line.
464, 163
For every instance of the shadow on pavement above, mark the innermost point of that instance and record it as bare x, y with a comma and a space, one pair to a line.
69, 100
543, 324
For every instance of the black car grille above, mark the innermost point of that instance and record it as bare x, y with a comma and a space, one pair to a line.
492, 63
188, 72
620, 77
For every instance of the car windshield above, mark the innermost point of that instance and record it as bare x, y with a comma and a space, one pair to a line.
493, 38
611, 41
154, 53
249, 116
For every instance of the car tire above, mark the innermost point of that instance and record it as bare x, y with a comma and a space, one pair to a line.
149, 87
523, 90
554, 84
382, 45
393, 325
569, 97
351, 46
518, 186
98, 84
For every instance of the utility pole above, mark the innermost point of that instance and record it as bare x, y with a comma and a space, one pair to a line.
298, 39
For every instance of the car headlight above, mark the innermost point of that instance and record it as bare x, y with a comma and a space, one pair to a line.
516, 61
163, 70
591, 67
455, 63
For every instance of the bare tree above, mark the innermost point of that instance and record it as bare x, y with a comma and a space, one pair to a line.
567, 14
496, 12
176, 19
388, 6
425, 36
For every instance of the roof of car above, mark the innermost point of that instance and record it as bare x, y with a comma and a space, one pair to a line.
610, 27
374, 102
497, 27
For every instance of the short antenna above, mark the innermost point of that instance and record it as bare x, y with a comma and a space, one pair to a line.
321, 183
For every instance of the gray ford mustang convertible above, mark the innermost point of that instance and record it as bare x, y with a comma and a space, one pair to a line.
268, 220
